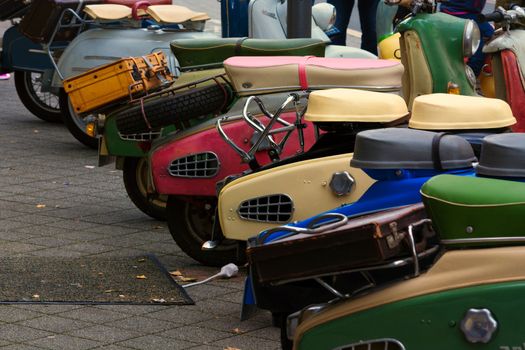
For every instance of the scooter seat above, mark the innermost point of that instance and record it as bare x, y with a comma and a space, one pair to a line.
175, 14
458, 112
130, 3
280, 73
475, 210
109, 12
503, 156
351, 105
202, 53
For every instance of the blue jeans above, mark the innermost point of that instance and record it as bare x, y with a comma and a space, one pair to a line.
367, 16
477, 60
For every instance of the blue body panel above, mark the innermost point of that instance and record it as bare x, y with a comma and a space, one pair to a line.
394, 188
19, 53
234, 18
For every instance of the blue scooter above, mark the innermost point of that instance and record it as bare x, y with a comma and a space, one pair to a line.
401, 161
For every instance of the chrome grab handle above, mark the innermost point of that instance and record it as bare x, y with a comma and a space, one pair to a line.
412, 243
324, 226
265, 132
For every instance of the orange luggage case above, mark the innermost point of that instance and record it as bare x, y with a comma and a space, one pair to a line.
116, 81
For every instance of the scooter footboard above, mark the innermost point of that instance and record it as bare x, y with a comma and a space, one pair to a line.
270, 198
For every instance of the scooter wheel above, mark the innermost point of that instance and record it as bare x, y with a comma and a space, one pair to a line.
44, 105
75, 123
135, 173
173, 109
191, 222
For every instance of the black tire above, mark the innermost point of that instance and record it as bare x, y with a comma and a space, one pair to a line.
135, 174
172, 109
43, 105
190, 223
286, 344
75, 123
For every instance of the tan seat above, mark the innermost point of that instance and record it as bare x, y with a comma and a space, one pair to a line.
351, 105
456, 112
175, 14
110, 12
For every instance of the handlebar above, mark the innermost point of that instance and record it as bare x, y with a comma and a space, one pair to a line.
515, 14
496, 16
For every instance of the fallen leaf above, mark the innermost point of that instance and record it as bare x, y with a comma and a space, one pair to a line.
236, 331
36, 296
187, 279
111, 291
176, 273
141, 277
160, 301
121, 296
231, 348
36, 131
89, 166
142, 260
157, 227
40, 206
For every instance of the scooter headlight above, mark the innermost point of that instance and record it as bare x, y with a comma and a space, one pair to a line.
471, 38
324, 15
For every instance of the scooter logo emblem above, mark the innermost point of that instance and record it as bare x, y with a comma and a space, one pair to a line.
478, 325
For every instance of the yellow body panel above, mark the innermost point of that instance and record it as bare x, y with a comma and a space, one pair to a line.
456, 112
306, 183
389, 48
417, 78
351, 105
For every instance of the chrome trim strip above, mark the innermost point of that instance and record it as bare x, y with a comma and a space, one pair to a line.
484, 240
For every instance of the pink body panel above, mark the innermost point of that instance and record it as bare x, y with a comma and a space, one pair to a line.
209, 140
515, 88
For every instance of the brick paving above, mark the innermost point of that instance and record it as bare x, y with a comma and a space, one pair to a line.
83, 211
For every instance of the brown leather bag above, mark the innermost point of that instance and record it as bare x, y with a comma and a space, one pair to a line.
42, 18
13, 8
343, 245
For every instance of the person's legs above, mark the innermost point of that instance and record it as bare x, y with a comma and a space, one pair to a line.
344, 11
367, 16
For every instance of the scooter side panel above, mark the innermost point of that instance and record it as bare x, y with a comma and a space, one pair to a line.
461, 279
20, 53
430, 322
209, 141
515, 88
306, 183
96, 47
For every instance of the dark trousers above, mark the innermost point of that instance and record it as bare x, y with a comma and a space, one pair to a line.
367, 16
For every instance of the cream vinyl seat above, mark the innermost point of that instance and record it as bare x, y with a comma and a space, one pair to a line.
160, 13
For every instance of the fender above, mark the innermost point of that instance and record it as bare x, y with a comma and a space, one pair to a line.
99, 46
300, 181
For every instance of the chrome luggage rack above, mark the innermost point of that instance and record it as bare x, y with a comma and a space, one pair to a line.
266, 132
333, 220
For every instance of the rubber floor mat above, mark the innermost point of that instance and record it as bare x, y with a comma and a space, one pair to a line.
89, 280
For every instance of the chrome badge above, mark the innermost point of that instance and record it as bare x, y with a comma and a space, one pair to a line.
478, 325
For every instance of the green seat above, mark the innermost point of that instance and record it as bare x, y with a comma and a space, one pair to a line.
476, 211
211, 52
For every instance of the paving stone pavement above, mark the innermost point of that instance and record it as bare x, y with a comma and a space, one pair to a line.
87, 214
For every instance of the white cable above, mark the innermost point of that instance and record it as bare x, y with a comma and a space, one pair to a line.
227, 271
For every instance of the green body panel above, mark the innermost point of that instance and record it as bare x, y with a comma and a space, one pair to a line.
474, 207
212, 52
430, 322
442, 39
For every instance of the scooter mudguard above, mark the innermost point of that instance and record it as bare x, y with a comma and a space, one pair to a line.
470, 299
20, 53
177, 166
515, 88
295, 184
96, 47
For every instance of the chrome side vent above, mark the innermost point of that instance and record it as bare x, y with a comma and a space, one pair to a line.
199, 165
376, 344
145, 136
275, 208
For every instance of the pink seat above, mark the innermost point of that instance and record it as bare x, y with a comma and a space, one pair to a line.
257, 74
130, 3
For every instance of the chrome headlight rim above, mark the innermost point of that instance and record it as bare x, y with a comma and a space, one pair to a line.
471, 38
